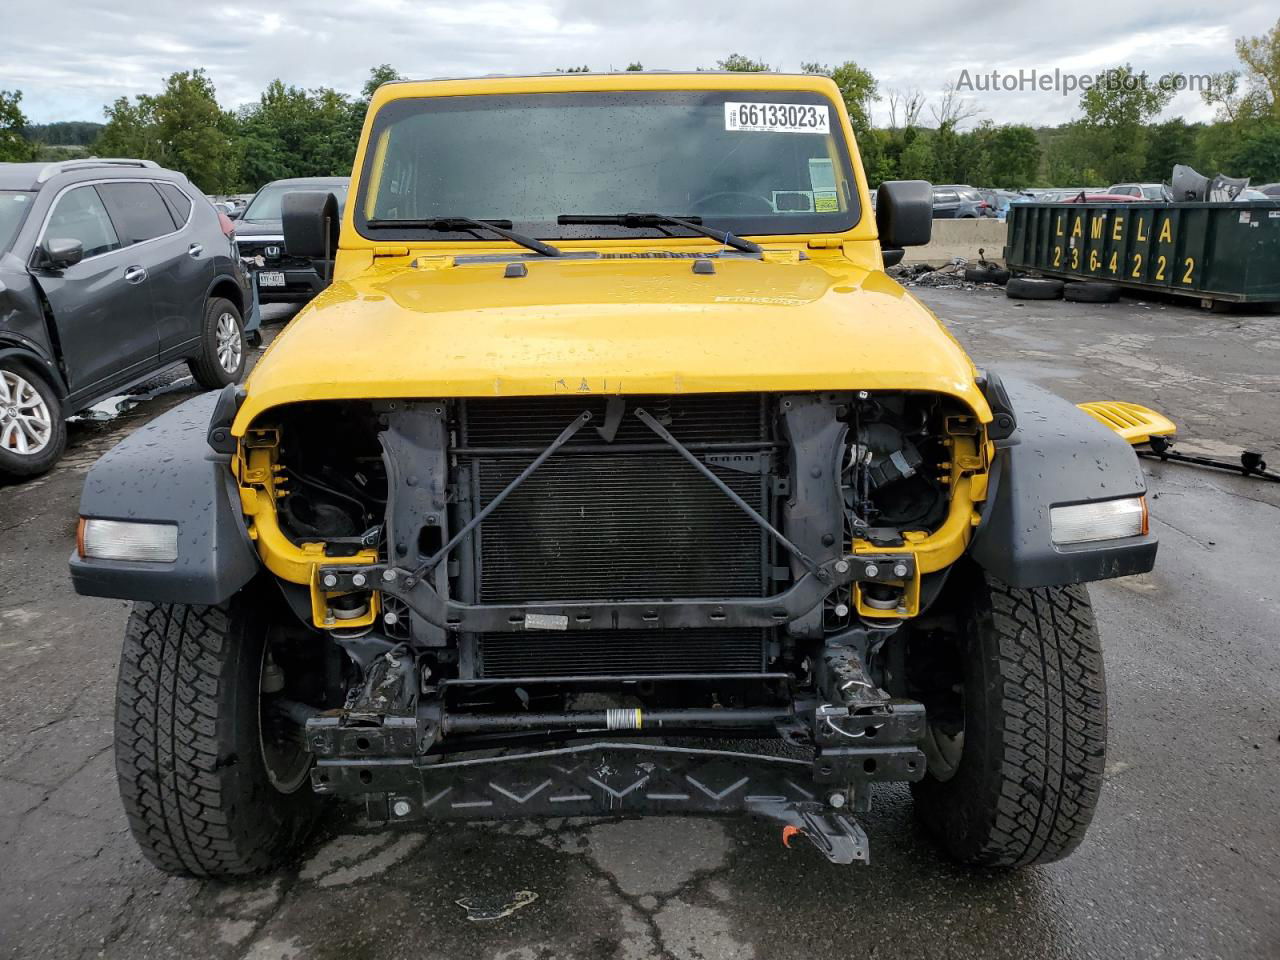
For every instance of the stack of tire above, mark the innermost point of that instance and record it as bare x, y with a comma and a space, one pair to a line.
987, 273
1077, 291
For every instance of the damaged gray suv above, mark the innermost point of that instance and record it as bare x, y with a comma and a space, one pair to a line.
110, 271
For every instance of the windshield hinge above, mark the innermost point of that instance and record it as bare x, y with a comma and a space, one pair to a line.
783, 256
432, 262
390, 251
825, 243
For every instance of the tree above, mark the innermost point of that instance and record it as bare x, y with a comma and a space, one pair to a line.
1261, 59
382, 73
1222, 92
292, 132
953, 109
737, 63
582, 69
1013, 156
1169, 143
858, 89
917, 161
1257, 153
14, 146
905, 107
1116, 112
182, 128
128, 131
79, 133
635, 65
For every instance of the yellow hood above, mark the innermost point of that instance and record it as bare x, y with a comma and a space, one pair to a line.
611, 325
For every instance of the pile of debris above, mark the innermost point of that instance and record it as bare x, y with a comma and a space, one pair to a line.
956, 274
923, 275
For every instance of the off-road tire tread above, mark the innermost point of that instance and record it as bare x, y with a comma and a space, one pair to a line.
205, 369
1048, 739
177, 784
1051, 665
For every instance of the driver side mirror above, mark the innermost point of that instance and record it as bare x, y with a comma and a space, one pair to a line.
311, 222
234, 213
62, 253
904, 213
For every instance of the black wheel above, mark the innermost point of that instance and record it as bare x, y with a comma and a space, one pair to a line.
215, 780
1016, 750
222, 346
992, 274
1091, 291
33, 433
1033, 288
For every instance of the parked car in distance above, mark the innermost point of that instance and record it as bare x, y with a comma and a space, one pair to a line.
1271, 189
957, 202
282, 278
998, 201
110, 271
1083, 197
1142, 191
1250, 194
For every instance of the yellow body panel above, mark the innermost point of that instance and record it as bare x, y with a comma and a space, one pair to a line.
1135, 423
609, 326
422, 319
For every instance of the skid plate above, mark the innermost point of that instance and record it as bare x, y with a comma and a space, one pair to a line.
592, 779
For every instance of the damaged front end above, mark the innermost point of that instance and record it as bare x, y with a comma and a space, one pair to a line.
557, 606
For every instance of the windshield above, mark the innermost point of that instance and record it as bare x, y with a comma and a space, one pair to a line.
745, 161
14, 205
266, 203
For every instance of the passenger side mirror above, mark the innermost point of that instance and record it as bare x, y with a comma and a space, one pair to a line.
311, 223
904, 213
62, 253
234, 213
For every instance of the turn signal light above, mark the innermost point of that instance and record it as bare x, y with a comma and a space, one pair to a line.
1101, 520
127, 540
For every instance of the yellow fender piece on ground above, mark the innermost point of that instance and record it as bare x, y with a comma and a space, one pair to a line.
1136, 423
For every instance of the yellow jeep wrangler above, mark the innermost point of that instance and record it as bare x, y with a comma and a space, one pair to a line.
612, 475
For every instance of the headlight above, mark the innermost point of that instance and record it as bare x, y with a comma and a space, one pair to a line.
127, 540
1103, 520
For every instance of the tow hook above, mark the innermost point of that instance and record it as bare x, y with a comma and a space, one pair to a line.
837, 836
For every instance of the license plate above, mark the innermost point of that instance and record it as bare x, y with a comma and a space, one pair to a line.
270, 278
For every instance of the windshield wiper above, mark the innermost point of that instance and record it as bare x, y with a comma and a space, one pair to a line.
636, 220
466, 224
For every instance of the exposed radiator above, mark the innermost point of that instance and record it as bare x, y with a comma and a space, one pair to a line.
605, 521
593, 653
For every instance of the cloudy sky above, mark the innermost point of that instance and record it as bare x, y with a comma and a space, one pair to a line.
70, 64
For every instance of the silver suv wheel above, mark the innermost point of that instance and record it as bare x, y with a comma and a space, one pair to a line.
26, 425
230, 343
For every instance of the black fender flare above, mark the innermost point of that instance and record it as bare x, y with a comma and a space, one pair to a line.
166, 472
1056, 455
37, 361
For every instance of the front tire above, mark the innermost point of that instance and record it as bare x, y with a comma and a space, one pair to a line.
189, 743
222, 346
1015, 782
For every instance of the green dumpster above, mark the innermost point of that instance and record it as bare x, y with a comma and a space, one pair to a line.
1212, 251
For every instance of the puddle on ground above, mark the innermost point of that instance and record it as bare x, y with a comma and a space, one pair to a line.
112, 407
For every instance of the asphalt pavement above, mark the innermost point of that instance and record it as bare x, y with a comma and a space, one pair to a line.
1183, 859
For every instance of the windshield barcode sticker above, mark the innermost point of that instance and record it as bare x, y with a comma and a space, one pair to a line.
777, 117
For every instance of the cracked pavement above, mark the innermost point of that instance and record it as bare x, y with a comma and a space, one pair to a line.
1183, 859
